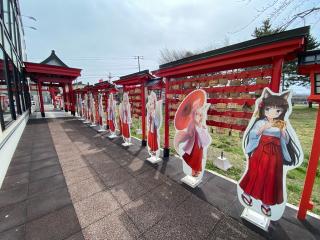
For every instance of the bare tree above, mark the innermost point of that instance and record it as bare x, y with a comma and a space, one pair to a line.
285, 13
167, 55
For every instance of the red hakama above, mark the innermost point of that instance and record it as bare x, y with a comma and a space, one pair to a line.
125, 130
153, 141
263, 180
194, 160
111, 126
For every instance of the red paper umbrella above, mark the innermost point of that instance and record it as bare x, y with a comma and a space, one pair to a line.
193, 100
113, 90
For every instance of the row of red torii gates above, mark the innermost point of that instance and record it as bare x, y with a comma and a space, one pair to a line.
233, 78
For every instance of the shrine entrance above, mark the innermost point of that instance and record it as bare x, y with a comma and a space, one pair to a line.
56, 77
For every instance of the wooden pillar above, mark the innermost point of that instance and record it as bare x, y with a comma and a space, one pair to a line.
41, 98
71, 99
65, 97
305, 203
276, 73
166, 121
143, 115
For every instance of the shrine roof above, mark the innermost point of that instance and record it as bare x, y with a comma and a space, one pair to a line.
255, 52
277, 37
134, 78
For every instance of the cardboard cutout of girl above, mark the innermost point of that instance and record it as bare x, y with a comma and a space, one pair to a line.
154, 122
125, 118
82, 107
93, 110
111, 110
102, 114
272, 148
192, 137
86, 109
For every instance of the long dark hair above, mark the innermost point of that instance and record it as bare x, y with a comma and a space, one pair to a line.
281, 101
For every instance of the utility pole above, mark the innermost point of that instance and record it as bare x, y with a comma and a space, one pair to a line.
109, 77
138, 57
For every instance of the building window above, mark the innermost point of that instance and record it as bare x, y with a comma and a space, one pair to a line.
317, 84
6, 104
14, 87
6, 14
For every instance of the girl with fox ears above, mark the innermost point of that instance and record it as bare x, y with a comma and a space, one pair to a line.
271, 148
154, 120
111, 110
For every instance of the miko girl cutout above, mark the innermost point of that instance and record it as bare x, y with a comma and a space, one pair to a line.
125, 118
111, 110
154, 121
192, 138
272, 148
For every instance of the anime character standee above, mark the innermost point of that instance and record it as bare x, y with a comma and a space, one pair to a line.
192, 137
125, 118
154, 121
93, 110
102, 114
271, 148
86, 109
111, 110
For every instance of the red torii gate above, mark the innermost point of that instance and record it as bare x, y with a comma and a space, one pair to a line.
105, 88
203, 70
53, 76
135, 85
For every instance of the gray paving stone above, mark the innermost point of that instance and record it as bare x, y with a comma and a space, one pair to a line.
12, 216
136, 167
146, 211
115, 177
117, 225
45, 203
85, 188
17, 233
45, 172
95, 207
170, 194
20, 160
79, 174
151, 179
18, 169
193, 219
232, 230
15, 180
44, 163
13, 195
46, 184
43, 156
57, 225
77, 236
128, 191
104, 166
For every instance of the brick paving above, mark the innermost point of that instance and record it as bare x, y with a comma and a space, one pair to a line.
66, 181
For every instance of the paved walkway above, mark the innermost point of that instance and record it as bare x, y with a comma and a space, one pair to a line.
66, 181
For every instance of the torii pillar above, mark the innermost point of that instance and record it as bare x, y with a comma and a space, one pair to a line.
41, 99
71, 99
65, 100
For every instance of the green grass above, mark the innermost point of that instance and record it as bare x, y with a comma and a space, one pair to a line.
302, 120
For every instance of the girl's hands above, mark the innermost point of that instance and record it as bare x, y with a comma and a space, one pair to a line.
264, 127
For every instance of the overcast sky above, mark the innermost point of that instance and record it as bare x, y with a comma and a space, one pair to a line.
102, 36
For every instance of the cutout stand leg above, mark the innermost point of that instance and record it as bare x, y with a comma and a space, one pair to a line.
113, 135
102, 129
256, 219
191, 181
154, 159
126, 144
